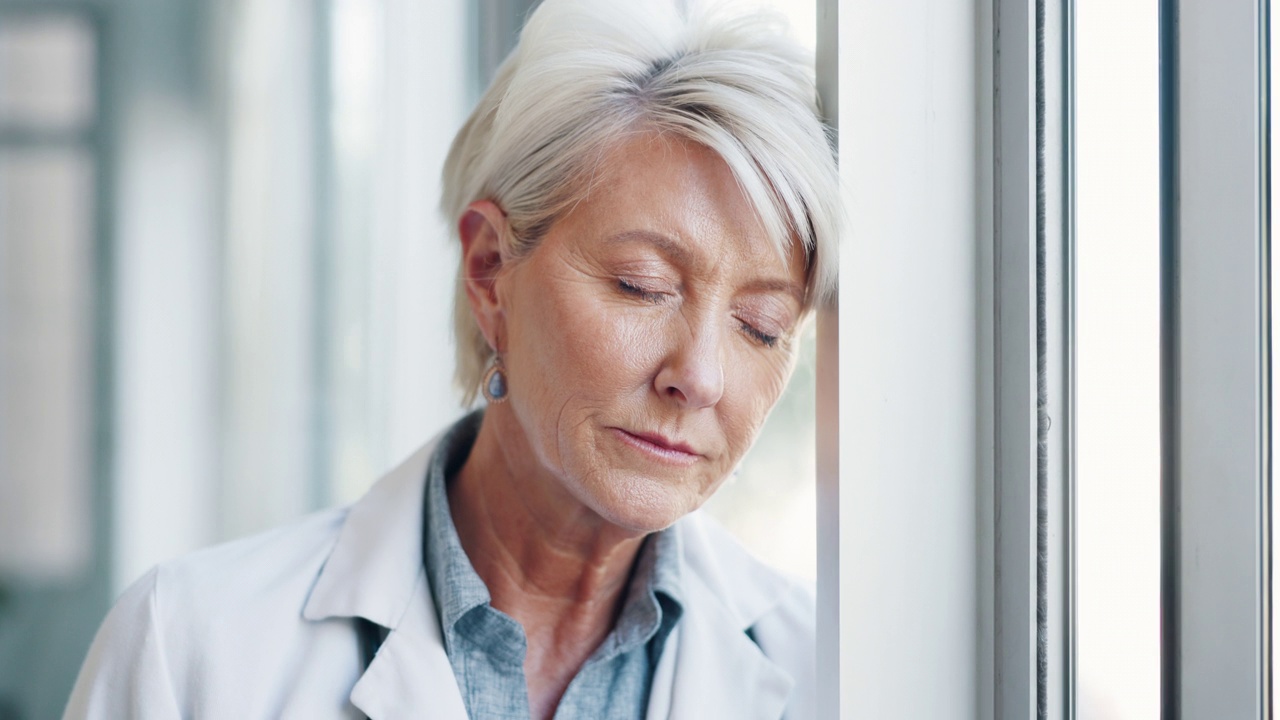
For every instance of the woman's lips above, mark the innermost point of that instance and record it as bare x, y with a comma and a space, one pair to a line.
658, 447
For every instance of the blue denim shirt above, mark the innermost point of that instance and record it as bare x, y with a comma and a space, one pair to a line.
487, 647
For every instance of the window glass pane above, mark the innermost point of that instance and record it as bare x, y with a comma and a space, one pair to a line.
46, 72
267, 467
391, 262
1118, 421
360, 71
46, 409
770, 502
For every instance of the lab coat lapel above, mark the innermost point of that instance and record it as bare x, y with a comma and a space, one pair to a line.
716, 670
411, 676
373, 567
375, 572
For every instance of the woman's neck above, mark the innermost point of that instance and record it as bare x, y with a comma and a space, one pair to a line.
549, 562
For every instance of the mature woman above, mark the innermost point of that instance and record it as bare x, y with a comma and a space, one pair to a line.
646, 204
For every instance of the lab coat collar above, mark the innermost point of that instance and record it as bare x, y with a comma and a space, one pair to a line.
716, 661
716, 671
373, 570
728, 575
411, 676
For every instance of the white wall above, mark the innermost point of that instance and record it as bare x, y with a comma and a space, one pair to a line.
913, 461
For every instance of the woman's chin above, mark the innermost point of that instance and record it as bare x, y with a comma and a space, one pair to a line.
641, 504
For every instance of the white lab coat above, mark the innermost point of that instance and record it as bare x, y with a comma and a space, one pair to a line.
262, 628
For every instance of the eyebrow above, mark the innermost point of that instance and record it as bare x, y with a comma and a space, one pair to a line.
681, 255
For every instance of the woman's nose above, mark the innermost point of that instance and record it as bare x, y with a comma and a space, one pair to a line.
693, 373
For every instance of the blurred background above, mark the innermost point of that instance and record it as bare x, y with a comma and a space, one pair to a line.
225, 289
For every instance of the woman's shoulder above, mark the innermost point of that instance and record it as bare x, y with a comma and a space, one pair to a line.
221, 599
251, 570
280, 568
192, 630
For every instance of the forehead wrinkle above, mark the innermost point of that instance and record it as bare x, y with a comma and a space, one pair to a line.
679, 253
771, 285
666, 245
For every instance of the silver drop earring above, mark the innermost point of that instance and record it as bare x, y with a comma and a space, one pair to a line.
494, 385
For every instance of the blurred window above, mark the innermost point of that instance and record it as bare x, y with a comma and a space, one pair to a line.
53, 581
46, 408
47, 72
47, 241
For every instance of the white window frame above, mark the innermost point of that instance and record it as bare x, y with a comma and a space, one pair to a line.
967, 584
1215, 359
945, 450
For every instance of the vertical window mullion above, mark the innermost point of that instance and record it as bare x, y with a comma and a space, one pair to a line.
1215, 359
1056, 348
1016, 359
1033, 373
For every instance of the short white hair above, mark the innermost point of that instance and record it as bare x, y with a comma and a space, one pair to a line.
587, 74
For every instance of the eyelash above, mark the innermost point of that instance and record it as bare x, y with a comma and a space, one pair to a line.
764, 339
646, 295
657, 297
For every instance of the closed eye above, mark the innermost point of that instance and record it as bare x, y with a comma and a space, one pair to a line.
761, 337
642, 293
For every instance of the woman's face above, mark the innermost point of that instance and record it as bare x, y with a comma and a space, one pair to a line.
648, 335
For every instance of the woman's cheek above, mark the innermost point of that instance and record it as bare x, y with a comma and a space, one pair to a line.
640, 341
621, 346
572, 332
754, 382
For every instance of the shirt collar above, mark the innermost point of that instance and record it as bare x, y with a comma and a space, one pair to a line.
653, 604
454, 583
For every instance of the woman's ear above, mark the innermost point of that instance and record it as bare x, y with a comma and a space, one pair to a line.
482, 226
